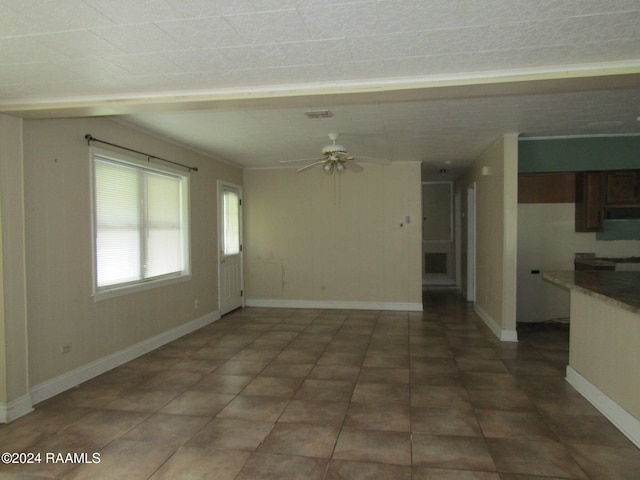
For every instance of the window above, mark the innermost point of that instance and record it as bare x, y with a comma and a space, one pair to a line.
141, 230
231, 217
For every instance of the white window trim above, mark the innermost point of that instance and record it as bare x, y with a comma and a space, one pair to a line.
145, 284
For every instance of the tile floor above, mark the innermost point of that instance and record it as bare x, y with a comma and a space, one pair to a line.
326, 394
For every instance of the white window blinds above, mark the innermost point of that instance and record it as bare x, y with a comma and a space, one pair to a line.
141, 228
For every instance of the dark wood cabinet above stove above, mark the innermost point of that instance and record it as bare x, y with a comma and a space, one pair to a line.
622, 188
606, 195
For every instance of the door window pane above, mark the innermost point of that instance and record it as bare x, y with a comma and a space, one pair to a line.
231, 220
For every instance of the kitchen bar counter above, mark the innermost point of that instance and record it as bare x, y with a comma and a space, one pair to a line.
587, 261
621, 289
604, 341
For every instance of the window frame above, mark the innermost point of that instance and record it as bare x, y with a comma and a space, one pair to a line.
125, 288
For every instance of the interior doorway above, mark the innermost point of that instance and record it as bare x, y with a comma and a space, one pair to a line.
438, 236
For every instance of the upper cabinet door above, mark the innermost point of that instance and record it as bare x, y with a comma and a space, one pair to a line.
589, 201
622, 188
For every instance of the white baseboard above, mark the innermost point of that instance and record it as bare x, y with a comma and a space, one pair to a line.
15, 409
86, 372
503, 335
330, 304
623, 420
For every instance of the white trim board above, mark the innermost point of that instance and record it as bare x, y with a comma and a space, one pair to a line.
503, 335
15, 409
621, 419
331, 304
86, 372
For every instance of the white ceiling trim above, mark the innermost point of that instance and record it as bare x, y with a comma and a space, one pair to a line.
568, 137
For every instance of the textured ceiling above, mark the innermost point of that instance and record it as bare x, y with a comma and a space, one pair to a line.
234, 77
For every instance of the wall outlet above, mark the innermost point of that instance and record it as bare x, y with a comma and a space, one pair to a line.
196, 304
65, 348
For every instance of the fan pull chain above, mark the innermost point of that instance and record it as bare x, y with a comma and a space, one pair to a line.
337, 190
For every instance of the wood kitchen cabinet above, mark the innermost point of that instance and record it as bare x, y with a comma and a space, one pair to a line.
546, 187
590, 196
622, 188
613, 194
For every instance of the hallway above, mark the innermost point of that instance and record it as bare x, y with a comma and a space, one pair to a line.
332, 394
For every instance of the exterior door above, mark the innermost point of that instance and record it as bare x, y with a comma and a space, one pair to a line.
230, 247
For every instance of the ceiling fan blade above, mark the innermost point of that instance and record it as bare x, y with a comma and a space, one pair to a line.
352, 166
382, 161
299, 160
310, 165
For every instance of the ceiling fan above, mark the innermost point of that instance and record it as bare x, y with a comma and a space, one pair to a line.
334, 159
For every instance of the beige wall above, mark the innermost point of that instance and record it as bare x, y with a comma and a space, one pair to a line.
311, 239
14, 381
59, 272
604, 349
496, 176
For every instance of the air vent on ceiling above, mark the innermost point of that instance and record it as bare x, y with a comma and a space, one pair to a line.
318, 114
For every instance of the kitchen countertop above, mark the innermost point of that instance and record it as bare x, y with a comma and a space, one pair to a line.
602, 263
618, 288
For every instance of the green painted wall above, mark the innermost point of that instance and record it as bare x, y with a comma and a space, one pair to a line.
578, 154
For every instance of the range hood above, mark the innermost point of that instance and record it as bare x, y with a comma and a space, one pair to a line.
622, 213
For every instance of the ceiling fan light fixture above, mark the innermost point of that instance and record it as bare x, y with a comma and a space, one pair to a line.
334, 159
332, 149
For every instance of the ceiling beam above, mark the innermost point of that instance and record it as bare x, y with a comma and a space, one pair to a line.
616, 75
